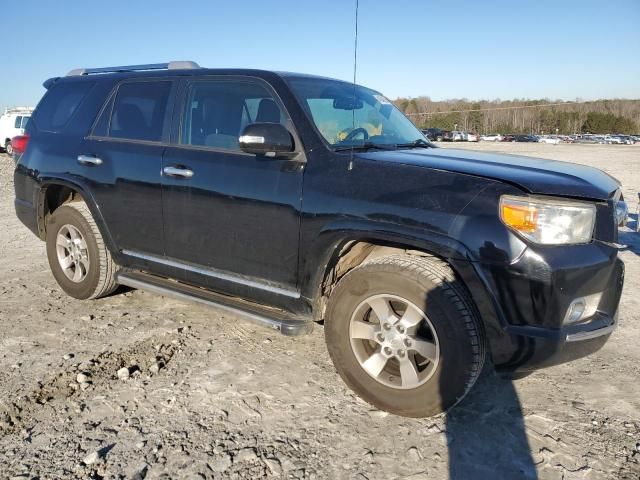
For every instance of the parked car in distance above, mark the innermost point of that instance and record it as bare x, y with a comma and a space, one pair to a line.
457, 136
447, 136
12, 124
434, 134
612, 140
508, 138
525, 138
587, 139
551, 139
626, 139
492, 137
470, 137
253, 192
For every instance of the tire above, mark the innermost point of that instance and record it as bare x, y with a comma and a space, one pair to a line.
450, 322
97, 269
8, 148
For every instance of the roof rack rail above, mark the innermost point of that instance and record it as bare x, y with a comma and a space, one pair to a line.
177, 65
18, 109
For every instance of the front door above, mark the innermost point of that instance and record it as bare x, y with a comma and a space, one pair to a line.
231, 219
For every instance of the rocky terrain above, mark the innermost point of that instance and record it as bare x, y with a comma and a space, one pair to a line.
140, 386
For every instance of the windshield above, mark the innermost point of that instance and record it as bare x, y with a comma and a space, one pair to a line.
350, 117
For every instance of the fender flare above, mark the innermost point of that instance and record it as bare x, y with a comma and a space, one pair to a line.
326, 250
44, 182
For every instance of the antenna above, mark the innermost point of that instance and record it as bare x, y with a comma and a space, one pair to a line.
355, 70
355, 50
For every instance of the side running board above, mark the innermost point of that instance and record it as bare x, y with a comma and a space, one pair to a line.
274, 319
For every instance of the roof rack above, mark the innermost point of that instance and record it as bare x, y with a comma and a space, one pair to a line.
177, 65
18, 110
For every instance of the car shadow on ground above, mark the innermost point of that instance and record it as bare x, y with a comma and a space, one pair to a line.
486, 434
629, 236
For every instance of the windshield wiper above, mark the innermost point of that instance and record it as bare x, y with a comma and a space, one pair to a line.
419, 143
368, 146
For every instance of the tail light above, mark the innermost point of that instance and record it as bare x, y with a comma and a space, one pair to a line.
19, 143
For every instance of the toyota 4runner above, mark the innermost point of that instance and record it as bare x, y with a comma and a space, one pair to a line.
291, 199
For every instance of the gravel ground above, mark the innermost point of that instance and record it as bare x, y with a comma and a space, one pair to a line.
140, 386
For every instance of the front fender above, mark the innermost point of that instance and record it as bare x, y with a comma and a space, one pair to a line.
323, 254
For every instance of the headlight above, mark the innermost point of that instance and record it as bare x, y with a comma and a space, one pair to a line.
552, 221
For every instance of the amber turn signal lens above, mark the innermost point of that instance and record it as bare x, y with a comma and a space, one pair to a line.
549, 220
523, 218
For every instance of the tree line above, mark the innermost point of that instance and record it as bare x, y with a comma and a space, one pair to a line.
524, 116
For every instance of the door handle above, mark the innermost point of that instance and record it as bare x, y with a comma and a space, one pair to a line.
178, 172
89, 160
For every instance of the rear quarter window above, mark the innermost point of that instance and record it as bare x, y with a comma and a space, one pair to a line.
59, 104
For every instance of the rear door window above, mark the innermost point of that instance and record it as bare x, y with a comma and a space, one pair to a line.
59, 104
140, 111
18, 122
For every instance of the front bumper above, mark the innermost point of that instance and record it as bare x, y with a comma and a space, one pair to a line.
532, 296
539, 348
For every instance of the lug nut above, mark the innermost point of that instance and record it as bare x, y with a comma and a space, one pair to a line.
386, 326
401, 353
380, 338
387, 351
400, 329
407, 342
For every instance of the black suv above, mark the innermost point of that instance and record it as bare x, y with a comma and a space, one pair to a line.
291, 199
434, 134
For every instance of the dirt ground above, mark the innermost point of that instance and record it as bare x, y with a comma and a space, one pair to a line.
213, 397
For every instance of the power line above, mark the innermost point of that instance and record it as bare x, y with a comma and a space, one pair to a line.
543, 105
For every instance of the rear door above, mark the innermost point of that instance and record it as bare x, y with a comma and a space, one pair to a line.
122, 159
231, 219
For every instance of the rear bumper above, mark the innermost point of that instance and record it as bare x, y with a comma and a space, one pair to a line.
27, 214
26, 198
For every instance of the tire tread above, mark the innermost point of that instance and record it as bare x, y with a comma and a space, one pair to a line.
107, 267
442, 275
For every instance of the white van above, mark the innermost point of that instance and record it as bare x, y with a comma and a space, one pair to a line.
12, 123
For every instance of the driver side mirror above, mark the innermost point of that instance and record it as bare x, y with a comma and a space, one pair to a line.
268, 139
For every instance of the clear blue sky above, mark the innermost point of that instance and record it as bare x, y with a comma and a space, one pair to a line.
493, 49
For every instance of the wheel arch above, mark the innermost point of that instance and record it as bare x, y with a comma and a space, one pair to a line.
353, 248
54, 193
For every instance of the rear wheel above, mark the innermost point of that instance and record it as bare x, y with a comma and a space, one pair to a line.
8, 148
402, 333
79, 259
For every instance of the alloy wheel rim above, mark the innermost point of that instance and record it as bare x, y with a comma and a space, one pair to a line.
394, 341
73, 256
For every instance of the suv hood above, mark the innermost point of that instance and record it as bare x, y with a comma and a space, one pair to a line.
536, 175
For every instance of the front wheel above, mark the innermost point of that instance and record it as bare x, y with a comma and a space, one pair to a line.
402, 333
8, 148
